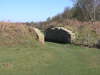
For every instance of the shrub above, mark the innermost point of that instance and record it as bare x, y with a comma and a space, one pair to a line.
86, 36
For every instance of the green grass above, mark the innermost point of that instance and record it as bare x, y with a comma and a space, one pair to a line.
50, 59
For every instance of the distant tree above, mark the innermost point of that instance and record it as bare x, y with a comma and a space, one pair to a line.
83, 10
67, 14
98, 11
48, 19
86, 9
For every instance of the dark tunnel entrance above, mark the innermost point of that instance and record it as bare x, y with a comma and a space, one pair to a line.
57, 36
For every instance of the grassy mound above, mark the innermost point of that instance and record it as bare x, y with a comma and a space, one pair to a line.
15, 33
27, 57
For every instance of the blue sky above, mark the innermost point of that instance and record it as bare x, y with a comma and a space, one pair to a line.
31, 10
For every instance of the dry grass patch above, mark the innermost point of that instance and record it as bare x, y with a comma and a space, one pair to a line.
15, 33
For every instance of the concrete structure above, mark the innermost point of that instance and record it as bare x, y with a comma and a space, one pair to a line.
59, 34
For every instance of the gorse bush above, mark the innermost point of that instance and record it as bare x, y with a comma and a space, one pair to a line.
86, 36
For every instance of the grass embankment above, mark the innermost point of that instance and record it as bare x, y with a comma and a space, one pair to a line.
50, 59
20, 54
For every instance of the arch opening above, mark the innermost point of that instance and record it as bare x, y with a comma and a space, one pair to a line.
57, 35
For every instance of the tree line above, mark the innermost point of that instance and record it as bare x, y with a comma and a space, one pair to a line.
82, 10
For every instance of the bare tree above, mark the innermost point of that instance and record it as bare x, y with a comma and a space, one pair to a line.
87, 9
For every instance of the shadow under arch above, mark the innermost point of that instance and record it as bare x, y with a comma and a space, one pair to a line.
57, 36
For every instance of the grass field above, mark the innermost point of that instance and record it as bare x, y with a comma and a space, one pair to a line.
50, 59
